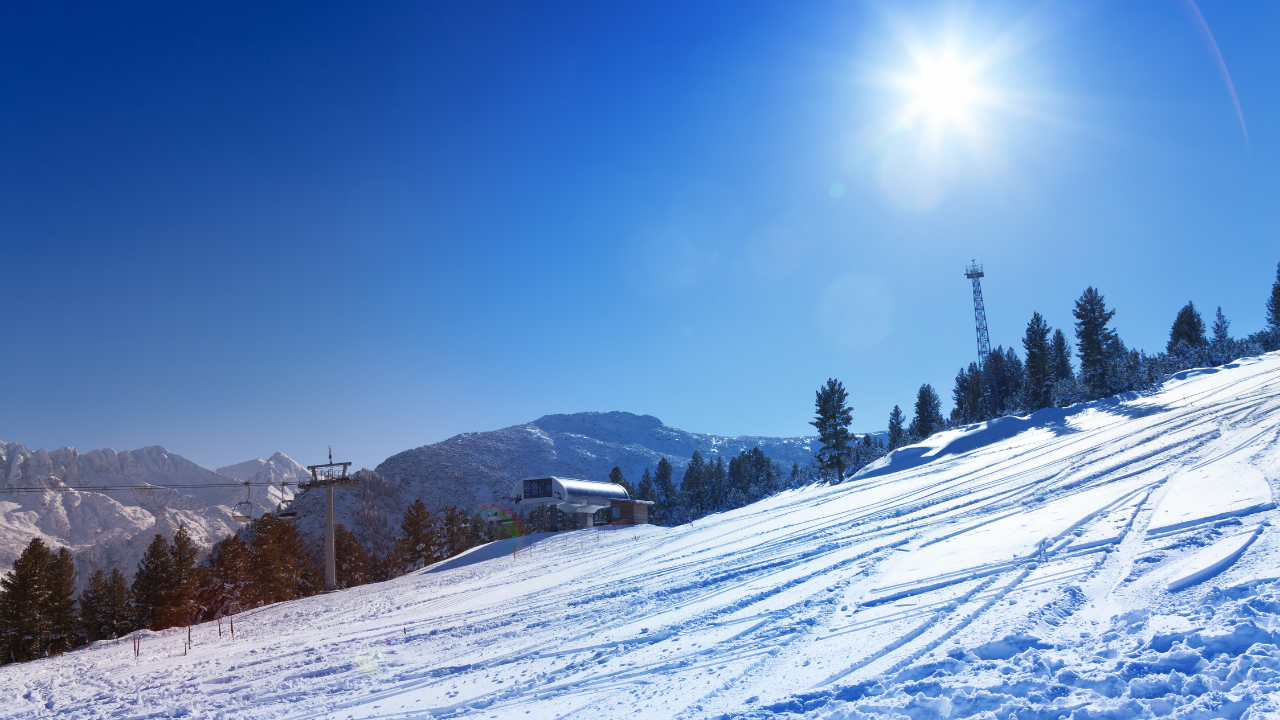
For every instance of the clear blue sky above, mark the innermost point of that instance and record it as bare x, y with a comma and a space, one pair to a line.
232, 229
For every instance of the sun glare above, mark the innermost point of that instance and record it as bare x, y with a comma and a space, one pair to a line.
943, 90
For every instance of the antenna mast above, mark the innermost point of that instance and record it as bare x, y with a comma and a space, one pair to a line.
974, 272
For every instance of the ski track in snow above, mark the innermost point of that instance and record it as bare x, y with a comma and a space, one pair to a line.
1018, 573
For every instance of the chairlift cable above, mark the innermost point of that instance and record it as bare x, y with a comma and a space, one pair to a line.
148, 486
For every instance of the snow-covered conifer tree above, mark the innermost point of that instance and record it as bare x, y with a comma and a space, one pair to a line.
23, 595
616, 477
1188, 327
1037, 387
104, 606
1095, 343
153, 584
897, 433
61, 620
645, 491
418, 540
1273, 304
832, 422
928, 418
667, 500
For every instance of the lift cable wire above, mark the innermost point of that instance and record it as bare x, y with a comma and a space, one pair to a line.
149, 486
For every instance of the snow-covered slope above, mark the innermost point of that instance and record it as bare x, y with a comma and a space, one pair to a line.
466, 469
1116, 559
111, 528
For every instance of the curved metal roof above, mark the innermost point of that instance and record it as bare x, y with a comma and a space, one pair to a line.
587, 488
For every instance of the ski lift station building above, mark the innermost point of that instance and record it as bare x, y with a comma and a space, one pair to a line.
584, 498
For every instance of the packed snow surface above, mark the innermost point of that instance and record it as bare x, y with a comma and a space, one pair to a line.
1009, 569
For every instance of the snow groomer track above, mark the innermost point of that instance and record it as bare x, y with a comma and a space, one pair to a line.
1113, 559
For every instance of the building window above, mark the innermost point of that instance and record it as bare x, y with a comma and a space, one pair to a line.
540, 488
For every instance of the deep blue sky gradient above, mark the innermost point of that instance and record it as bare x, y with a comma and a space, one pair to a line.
236, 228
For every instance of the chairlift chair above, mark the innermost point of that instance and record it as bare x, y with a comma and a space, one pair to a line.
240, 513
280, 511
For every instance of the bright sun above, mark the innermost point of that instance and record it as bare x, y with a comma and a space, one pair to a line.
943, 90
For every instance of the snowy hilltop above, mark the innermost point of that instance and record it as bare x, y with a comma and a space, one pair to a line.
1114, 559
478, 469
111, 527
468, 468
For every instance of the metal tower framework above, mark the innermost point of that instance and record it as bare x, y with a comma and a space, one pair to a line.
328, 477
974, 272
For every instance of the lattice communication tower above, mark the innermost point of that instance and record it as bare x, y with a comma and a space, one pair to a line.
974, 273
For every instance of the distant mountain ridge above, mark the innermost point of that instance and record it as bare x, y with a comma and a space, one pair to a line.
111, 528
467, 469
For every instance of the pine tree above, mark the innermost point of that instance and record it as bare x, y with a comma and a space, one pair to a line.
1095, 343
1273, 304
1221, 328
752, 476
456, 531
997, 384
928, 418
668, 499
418, 542
1064, 376
616, 477
1038, 383
693, 489
1016, 380
90, 606
279, 566
23, 596
104, 606
1188, 327
476, 530
970, 406
185, 579
227, 583
717, 482
832, 422
61, 620
1061, 358
645, 491
153, 585
1222, 347
351, 561
897, 434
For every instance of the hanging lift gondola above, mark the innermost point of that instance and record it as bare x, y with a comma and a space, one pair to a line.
241, 512
280, 511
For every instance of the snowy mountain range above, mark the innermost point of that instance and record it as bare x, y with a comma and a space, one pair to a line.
1115, 559
111, 528
107, 528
